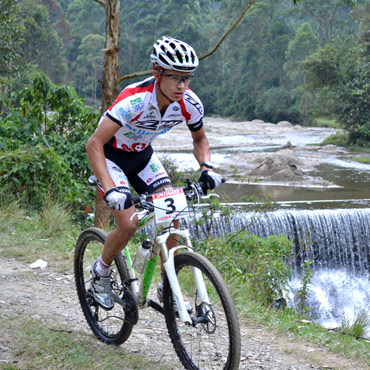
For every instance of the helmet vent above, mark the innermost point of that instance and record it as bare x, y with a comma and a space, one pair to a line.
179, 56
174, 54
160, 57
192, 57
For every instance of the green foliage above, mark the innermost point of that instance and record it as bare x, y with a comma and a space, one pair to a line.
336, 139
358, 327
10, 40
302, 295
34, 174
339, 74
325, 122
41, 45
365, 160
42, 145
90, 62
209, 214
282, 62
260, 265
177, 176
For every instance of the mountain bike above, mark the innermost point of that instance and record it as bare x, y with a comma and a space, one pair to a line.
199, 311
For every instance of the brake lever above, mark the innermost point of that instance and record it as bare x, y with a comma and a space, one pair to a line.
210, 195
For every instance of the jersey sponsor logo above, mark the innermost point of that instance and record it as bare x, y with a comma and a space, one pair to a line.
161, 182
148, 125
127, 115
137, 104
154, 125
151, 179
138, 132
149, 115
193, 102
197, 125
176, 108
136, 101
167, 125
133, 136
135, 147
155, 167
117, 169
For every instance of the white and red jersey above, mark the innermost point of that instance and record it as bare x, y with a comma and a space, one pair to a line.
136, 111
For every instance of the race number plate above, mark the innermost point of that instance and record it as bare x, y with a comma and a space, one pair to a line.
169, 205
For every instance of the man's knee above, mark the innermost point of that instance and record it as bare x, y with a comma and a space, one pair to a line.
126, 228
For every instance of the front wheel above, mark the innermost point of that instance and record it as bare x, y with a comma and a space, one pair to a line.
109, 326
213, 341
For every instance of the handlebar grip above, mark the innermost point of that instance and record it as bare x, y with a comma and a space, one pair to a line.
136, 199
204, 185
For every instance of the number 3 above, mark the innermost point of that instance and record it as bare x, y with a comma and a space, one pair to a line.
170, 205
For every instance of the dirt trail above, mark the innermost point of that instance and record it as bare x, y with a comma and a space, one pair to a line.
50, 297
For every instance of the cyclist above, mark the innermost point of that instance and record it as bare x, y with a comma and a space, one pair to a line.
120, 150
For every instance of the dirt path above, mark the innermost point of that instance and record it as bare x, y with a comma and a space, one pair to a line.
50, 297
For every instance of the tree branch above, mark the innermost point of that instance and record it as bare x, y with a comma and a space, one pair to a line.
205, 55
210, 52
102, 3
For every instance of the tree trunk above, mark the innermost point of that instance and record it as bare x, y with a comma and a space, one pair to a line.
109, 86
111, 79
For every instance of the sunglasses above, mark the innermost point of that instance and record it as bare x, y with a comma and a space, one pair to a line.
178, 79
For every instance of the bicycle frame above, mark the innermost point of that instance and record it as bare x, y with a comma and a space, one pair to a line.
140, 288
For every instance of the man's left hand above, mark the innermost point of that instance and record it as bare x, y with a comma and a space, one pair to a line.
210, 179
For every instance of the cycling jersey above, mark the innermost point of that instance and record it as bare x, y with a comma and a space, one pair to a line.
136, 111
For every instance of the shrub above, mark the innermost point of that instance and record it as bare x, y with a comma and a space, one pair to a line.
260, 265
34, 174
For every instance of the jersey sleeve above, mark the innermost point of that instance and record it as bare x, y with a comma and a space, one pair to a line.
120, 112
195, 109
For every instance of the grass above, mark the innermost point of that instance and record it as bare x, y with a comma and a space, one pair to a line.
289, 324
325, 122
357, 328
40, 345
51, 235
365, 159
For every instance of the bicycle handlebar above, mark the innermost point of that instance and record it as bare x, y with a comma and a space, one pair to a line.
198, 187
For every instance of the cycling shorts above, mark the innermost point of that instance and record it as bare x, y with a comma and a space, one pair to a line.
142, 170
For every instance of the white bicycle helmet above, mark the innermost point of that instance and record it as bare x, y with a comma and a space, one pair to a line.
170, 53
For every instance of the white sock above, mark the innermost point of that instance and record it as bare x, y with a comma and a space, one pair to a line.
102, 268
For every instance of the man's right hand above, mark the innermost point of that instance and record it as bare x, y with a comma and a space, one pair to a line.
118, 198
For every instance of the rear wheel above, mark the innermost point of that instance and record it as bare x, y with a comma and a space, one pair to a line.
214, 341
115, 325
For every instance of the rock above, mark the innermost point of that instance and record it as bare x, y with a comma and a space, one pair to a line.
288, 145
284, 124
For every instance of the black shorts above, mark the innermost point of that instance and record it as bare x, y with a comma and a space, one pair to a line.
142, 170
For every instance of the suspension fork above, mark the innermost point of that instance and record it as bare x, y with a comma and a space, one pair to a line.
169, 265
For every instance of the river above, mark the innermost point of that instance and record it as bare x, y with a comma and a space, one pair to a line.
319, 189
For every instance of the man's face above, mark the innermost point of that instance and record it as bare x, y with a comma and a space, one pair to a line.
174, 83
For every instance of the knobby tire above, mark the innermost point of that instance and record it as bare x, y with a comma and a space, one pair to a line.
211, 345
108, 326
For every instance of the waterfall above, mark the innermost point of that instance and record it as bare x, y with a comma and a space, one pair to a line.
337, 242
330, 239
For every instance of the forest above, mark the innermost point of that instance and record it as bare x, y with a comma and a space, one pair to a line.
302, 61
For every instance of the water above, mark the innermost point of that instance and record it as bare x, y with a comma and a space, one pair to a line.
329, 225
337, 242
334, 296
